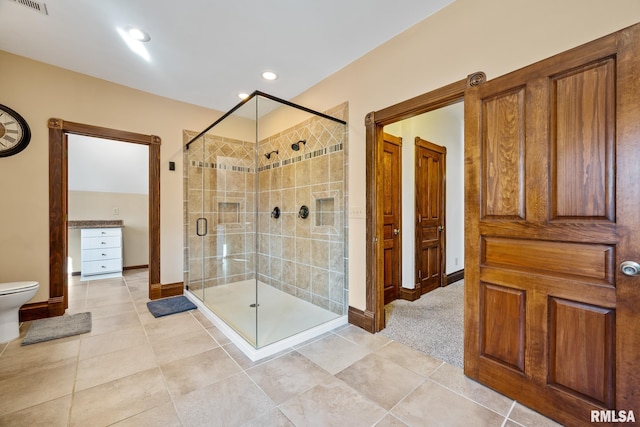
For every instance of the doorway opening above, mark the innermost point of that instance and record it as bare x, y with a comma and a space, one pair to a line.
107, 186
58, 202
373, 318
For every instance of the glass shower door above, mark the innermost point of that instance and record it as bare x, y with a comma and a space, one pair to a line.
194, 278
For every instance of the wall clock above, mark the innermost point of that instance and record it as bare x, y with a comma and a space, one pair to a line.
14, 132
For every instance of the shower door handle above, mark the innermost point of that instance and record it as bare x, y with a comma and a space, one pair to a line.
206, 227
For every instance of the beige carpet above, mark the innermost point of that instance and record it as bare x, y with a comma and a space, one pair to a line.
432, 324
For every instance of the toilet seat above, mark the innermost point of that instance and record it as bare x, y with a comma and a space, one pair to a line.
16, 287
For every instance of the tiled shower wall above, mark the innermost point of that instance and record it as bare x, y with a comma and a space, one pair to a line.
303, 257
219, 185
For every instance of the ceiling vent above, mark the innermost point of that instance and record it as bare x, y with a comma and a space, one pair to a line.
35, 5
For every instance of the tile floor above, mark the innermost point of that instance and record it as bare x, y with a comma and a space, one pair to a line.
179, 370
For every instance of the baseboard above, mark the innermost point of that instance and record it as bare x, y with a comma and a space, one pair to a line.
410, 294
34, 311
163, 291
455, 276
135, 267
362, 319
41, 310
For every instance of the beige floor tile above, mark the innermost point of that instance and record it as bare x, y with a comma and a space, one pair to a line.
526, 417
333, 353
453, 378
186, 375
23, 391
206, 323
53, 413
390, 421
114, 323
96, 345
287, 376
168, 349
363, 338
414, 360
115, 365
230, 402
173, 325
245, 363
220, 338
161, 416
273, 418
332, 403
118, 291
145, 317
432, 405
18, 359
118, 400
380, 379
101, 301
110, 310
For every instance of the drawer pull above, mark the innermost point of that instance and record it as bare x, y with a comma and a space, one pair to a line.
103, 243
104, 254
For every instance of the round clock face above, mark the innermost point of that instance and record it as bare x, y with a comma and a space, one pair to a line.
14, 132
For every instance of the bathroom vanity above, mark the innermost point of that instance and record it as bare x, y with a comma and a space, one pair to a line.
100, 248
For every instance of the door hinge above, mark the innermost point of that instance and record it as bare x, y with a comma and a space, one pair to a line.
419, 274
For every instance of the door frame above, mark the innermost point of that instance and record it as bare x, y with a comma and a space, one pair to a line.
58, 236
372, 318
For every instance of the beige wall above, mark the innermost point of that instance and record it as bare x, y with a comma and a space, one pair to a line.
38, 91
495, 36
133, 211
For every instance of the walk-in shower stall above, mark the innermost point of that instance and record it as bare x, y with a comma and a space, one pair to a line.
265, 245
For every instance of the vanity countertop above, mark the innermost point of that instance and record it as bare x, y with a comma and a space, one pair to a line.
99, 223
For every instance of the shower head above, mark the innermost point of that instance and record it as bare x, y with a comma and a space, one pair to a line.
296, 145
268, 155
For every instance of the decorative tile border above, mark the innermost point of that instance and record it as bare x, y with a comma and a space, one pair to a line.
307, 156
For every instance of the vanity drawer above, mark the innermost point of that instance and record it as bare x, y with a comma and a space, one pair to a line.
101, 232
101, 242
101, 254
100, 267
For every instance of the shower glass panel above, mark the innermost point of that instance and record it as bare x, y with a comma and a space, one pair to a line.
265, 218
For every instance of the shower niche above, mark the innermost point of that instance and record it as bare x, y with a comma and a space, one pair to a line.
266, 271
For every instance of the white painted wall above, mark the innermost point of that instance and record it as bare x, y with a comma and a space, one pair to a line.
444, 127
106, 166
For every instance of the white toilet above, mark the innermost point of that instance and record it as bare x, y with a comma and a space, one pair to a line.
12, 296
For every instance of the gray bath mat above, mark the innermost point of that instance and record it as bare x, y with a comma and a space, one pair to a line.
57, 327
166, 306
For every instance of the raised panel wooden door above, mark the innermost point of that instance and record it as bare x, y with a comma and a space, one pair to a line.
392, 214
430, 203
552, 209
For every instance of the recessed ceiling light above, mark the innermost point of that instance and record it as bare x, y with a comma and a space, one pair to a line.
269, 75
137, 34
243, 95
136, 46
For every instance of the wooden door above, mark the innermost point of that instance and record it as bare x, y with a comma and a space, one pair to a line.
392, 190
430, 203
552, 170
